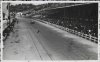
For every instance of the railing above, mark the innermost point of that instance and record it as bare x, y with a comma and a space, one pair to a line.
80, 34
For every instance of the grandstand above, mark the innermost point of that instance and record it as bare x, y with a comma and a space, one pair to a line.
82, 18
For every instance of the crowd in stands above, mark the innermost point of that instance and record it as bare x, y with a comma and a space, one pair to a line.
81, 18
86, 26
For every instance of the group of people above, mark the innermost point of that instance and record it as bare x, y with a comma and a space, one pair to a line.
86, 26
9, 28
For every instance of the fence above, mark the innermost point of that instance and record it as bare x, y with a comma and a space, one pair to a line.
80, 34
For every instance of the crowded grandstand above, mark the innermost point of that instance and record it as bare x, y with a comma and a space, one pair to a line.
82, 18
77, 18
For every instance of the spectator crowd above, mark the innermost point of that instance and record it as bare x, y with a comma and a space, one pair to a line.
86, 26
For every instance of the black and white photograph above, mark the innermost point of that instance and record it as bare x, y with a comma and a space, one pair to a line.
50, 30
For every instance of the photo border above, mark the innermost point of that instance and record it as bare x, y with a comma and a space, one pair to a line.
52, 2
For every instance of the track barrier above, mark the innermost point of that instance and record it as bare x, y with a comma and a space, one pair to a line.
80, 34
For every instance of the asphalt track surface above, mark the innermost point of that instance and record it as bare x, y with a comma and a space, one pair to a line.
62, 47
56, 44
